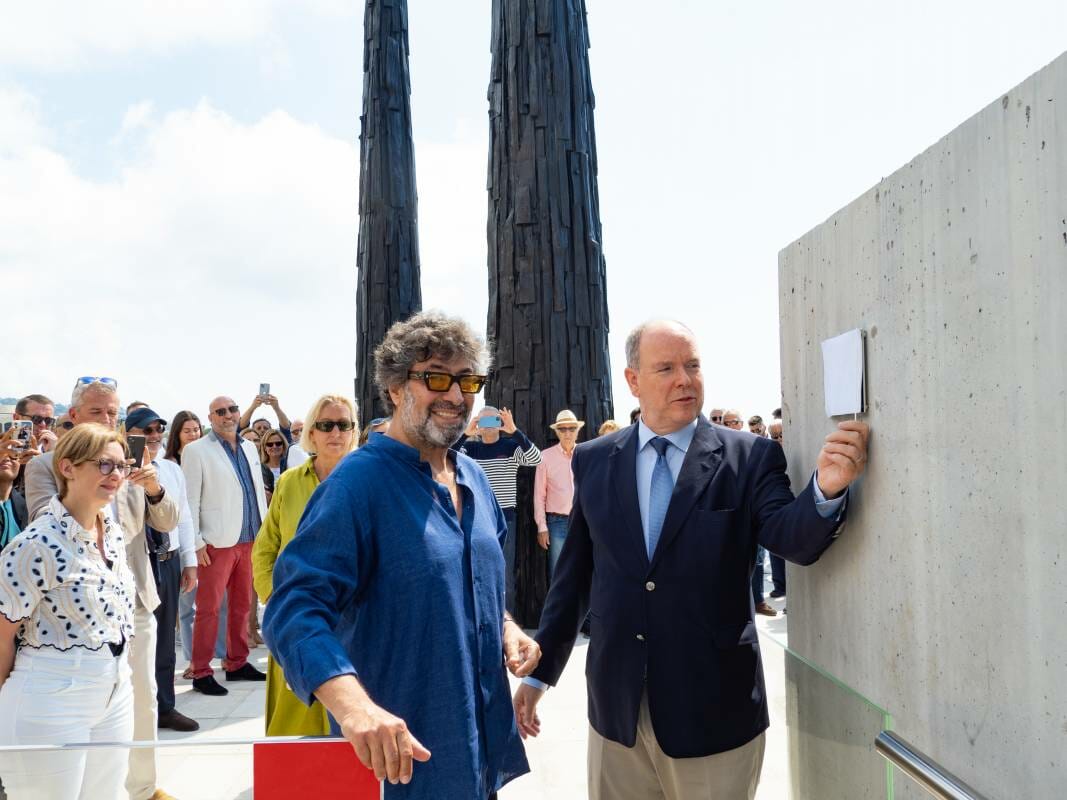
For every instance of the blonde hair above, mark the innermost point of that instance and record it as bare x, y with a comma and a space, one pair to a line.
83, 443
607, 426
264, 456
313, 417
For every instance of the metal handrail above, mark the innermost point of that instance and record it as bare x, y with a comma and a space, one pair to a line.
166, 743
931, 776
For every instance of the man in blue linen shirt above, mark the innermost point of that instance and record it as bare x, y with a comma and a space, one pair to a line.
388, 605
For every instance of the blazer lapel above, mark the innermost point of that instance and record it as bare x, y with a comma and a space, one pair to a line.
624, 476
702, 459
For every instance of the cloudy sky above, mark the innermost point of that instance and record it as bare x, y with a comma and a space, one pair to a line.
178, 180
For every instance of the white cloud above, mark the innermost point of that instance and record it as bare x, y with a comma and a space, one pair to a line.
53, 35
20, 126
137, 116
220, 254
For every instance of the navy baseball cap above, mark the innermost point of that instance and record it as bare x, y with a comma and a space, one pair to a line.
142, 418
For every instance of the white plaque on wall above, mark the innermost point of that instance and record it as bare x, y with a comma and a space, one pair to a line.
843, 374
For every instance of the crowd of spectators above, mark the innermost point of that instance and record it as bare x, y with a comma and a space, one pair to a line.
123, 541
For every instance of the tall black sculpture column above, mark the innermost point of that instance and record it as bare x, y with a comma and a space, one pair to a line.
388, 260
548, 314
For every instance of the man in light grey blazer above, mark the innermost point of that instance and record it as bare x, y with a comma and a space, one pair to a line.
225, 486
140, 498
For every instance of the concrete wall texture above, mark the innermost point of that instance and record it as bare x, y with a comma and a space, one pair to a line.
945, 599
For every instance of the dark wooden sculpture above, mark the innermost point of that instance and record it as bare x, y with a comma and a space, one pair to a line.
388, 256
548, 311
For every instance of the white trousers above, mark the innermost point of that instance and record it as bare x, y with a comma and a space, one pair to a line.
141, 781
54, 697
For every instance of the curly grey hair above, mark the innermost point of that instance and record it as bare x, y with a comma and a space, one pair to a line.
418, 338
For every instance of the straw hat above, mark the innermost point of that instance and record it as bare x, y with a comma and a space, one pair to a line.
566, 416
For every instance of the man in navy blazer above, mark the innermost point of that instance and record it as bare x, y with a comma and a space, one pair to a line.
663, 533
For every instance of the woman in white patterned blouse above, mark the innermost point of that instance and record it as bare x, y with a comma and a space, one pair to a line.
66, 615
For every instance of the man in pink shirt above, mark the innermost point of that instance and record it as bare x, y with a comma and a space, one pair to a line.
554, 488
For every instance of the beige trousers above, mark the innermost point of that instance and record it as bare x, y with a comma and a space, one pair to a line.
141, 780
645, 772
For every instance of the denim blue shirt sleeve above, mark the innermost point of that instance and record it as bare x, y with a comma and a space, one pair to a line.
383, 581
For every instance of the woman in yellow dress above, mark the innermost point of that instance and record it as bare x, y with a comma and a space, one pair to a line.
330, 433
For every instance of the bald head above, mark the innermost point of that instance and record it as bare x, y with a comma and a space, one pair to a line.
224, 416
663, 373
658, 328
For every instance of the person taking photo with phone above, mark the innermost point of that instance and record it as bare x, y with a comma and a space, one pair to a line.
261, 426
500, 449
176, 559
39, 410
13, 512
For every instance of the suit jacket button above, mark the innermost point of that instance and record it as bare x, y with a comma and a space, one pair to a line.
640, 637
651, 586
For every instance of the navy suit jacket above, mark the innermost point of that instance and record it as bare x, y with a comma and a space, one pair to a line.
680, 626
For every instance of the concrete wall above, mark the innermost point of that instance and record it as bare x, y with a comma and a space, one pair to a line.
945, 600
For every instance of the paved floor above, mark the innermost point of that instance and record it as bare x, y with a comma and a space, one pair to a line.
557, 756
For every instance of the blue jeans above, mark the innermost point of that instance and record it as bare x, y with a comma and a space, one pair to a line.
757, 576
509, 561
557, 535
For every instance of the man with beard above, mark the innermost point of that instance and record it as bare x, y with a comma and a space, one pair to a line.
227, 504
388, 606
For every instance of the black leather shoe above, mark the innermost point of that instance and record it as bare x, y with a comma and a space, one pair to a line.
177, 721
778, 593
208, 685
245, 673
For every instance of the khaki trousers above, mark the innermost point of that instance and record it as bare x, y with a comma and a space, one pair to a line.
645, 772
141, 780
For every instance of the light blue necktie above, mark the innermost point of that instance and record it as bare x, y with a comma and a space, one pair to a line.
660, 495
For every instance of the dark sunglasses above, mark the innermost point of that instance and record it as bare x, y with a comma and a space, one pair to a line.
87, 379
733, 422
66, 425
716, 419
159, 427
48, 422
222, 412
442, 381
274, 445
327, 425
567, 429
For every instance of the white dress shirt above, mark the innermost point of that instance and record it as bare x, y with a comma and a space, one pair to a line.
172, 479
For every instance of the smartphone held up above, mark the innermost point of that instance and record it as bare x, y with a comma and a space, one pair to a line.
137, 445
24, 428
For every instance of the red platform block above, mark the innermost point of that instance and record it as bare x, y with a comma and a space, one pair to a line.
284, 770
